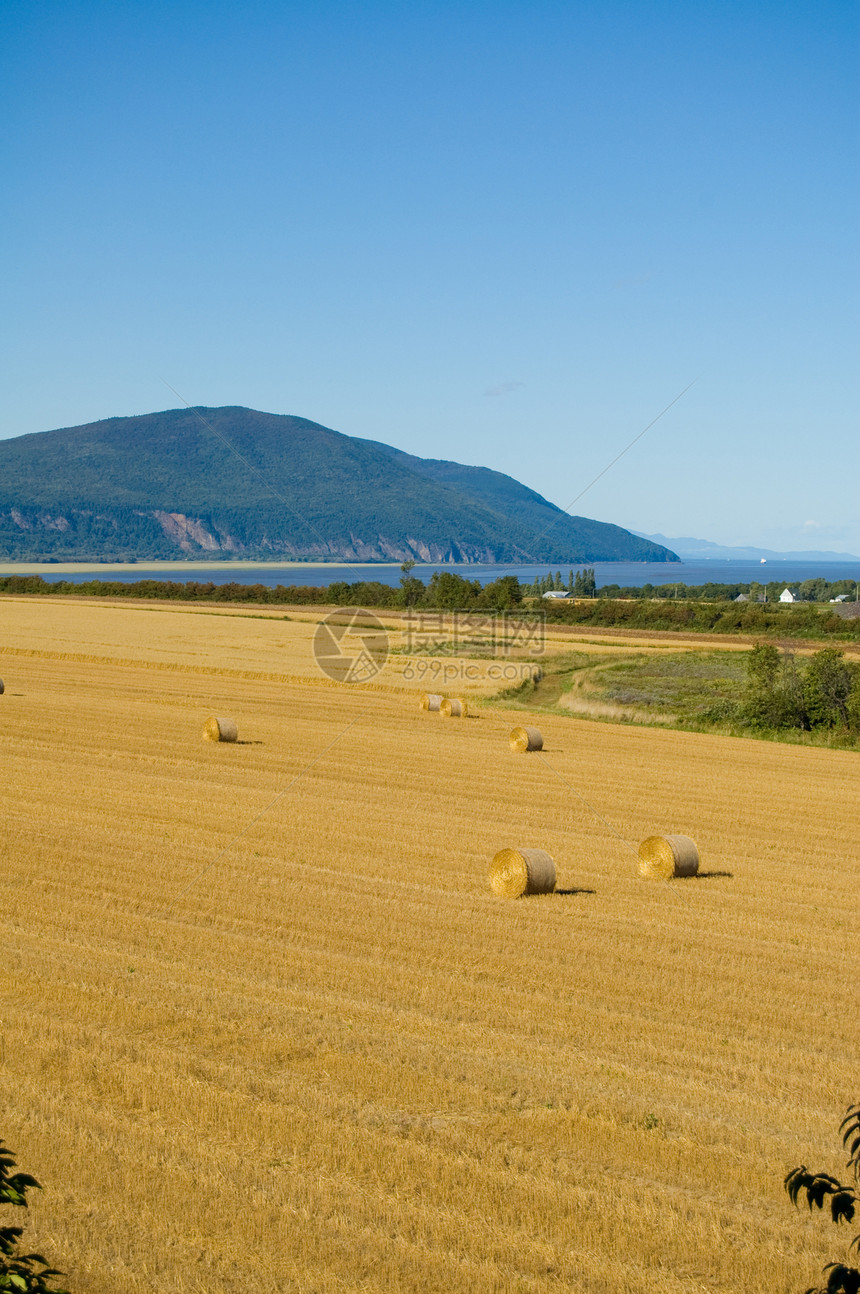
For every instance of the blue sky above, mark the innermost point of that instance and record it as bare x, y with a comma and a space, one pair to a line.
503, 233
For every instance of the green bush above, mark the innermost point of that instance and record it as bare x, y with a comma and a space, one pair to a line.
825, 694
841, 1200
20, 1272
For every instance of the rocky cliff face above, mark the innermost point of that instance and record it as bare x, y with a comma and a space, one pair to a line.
109, 533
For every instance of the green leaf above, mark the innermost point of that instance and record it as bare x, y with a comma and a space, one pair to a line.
842, 1280
842, 1206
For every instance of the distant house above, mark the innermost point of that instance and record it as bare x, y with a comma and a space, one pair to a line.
843, 597
787, 596
742, 597
556, 593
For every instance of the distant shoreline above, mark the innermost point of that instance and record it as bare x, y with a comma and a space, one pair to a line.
325, 574
192, 569
94, 568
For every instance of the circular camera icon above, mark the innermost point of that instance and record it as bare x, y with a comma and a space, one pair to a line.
350, 646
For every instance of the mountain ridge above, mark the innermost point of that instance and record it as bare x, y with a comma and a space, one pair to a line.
704, 549
238, 481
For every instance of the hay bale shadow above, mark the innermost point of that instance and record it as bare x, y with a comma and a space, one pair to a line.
579, 891
701, 876
248, 743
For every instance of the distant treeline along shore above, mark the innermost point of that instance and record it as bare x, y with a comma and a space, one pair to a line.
699, 608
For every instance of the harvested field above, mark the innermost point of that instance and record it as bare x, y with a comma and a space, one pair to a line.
267, 645
329, 1059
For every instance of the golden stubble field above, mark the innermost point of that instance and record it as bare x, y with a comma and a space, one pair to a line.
326, 1058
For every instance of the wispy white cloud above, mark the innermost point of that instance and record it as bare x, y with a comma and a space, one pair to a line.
504, 388
837, 536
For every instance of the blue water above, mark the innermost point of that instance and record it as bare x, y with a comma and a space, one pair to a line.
622, 573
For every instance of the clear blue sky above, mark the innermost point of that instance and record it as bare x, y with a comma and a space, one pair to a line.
504, 233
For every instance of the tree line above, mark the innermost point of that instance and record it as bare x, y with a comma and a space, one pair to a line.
806, 620
582, 584
783, 692
445, 591
701, 609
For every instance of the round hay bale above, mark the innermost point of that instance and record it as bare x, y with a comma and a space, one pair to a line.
662, 857
430, 701
523, 739
454, 708
220, 730
514, 872
2, 687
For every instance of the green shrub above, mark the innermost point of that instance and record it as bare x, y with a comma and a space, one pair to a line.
20, 1272
841, 1200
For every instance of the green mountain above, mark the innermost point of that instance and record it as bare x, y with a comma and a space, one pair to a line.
512, 499
236, 482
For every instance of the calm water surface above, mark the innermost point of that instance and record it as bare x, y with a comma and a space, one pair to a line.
623, 573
